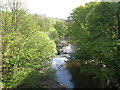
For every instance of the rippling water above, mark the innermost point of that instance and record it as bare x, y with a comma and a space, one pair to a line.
63, 75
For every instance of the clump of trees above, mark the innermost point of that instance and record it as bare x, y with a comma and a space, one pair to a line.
95, 29
61, 28
26, 47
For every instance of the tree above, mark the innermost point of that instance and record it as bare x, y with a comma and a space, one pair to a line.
25, 48
94, 28
61, 28
43, 22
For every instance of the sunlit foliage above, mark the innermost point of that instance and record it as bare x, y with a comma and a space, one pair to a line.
94, 27
26, 48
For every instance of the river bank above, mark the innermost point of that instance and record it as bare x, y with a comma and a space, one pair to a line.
83, 80
80, 80
52, 83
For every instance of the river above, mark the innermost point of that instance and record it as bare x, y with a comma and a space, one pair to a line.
63, 75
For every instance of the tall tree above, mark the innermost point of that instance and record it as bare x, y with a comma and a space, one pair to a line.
94, 28
25, 48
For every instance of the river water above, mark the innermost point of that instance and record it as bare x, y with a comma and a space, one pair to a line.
63, 75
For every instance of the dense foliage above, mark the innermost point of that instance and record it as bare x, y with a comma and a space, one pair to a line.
28, 42
26, 47
94, 27
61, 28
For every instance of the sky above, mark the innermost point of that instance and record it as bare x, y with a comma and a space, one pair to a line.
53, 8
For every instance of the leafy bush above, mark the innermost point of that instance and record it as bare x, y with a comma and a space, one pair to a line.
94, 29
26, 49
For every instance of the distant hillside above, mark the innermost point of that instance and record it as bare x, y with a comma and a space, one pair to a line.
53, 20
